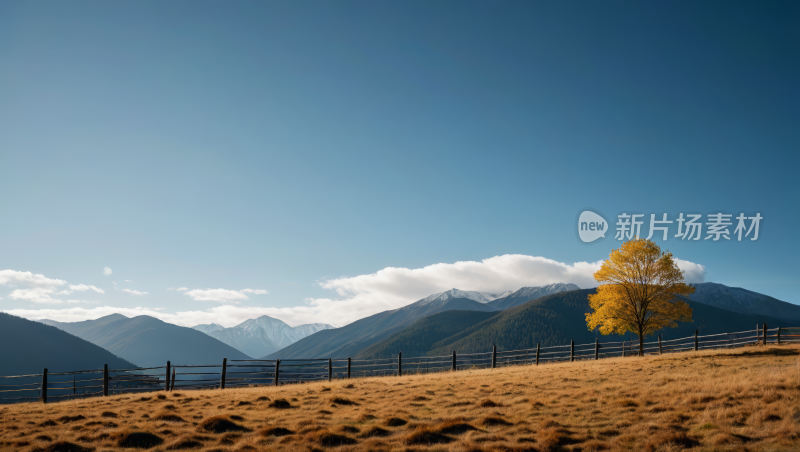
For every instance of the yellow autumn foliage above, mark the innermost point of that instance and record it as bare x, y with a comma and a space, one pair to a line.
639, 285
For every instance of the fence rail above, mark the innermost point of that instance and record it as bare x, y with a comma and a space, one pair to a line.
254, 372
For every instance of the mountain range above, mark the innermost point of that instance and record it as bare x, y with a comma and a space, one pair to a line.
260, 336
351, 339
150, 342
381, 334
743, 301
452, 320
31, 346
549, 320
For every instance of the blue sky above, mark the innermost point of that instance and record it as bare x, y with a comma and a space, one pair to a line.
279, 145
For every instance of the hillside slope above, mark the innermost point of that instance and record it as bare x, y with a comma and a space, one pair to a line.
37, 346
150, 342
744, 301
418, 338
557, 319
350, 339
357, 336
527, 294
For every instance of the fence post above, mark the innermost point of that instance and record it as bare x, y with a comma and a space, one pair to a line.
166, 378
44, 386
172, 385
571, 350
696, 332
330, 369
348, 368
105, 380
537, 353
779, 336
399, 364
224, 368
596, 349
758, 333
659, 345
494, 356
277, 369
454, 361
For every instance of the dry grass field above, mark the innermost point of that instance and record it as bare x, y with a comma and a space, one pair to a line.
743, 399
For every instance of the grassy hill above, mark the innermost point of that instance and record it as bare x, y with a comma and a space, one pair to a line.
732, 400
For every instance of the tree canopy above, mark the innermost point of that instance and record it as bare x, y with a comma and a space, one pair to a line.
638, 292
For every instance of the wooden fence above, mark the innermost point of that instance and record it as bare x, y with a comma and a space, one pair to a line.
47, 387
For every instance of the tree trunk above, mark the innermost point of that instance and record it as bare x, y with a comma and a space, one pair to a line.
641, 344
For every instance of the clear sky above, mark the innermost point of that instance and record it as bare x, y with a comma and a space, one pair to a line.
300, 147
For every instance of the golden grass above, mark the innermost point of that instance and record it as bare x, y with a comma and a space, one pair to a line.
744, 399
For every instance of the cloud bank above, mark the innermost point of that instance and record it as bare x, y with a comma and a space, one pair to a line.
364, 295
221, 295
40, 288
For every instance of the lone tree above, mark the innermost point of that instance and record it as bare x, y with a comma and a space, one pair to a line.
638, 290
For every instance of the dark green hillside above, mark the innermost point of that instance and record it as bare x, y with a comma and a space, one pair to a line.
549, 320
351, 339
151, 342
419, 337
28, 347
556, 319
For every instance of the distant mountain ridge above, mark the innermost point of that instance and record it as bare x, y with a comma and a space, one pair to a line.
351, 339
37, 346
480, 297
208, 328
558, 318
150, 342
527, 294
262, 335
743, 301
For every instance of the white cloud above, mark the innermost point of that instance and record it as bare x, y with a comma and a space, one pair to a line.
84, 287
364, 295
693, 273
107, 271
254, 291
13, 277
181, 289
35, 295
128, 280
135, 292
218, 295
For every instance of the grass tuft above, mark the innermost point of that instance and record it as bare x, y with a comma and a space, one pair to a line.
280, 404
426, 436
136, 439
396, 422
275, 431
65, 446
221, 424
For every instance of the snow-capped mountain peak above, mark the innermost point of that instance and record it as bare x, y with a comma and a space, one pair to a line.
261, 336
480, 297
